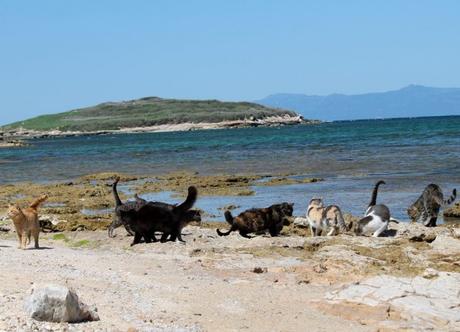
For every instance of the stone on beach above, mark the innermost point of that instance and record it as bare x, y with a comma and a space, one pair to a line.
54, 303
427, 302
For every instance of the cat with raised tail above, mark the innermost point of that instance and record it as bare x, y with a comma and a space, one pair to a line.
271, 218
26, 222
153, 217
376, 218
120, 206
426, 208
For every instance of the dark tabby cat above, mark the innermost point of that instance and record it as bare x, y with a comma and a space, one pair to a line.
160, 217
119, 206
257, 220
376, 218
426, 207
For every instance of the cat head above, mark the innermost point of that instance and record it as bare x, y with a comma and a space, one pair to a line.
13, 211
192, 215
317, 202
287, 209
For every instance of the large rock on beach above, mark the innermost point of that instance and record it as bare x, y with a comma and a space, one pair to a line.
54, 303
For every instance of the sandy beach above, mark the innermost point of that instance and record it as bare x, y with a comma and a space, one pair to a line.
407, 280
288, 283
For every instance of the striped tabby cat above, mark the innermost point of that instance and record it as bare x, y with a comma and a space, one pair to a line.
426, 207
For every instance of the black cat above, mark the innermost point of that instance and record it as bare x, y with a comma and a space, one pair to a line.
160, 217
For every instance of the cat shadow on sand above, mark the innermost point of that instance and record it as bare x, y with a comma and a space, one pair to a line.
40, 248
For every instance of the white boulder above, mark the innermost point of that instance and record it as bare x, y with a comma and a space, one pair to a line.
54, 303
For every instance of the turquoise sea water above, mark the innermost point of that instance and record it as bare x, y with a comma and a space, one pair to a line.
407, 153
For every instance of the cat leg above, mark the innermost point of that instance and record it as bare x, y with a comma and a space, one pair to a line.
381, 229
137, 238
244, 234
434, 217
153, 237
115, 223
164, 237
24, 240
273, 232
311, 227
312, 230
276, 229
178, 236
147, 239
333, 231
317, 231
128, 229
19, 239
36, 233
432, 222
326, 223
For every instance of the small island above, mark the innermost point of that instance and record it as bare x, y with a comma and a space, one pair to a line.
152, 114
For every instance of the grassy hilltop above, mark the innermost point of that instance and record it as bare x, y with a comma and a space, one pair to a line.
145, 112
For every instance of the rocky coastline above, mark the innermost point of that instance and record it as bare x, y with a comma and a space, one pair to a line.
406, 280
271, 121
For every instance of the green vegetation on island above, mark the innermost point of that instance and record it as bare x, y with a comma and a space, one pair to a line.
146, 112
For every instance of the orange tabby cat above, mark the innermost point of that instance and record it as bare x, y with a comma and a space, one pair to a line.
26, 221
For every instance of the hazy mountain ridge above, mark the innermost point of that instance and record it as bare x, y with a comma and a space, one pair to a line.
410, 101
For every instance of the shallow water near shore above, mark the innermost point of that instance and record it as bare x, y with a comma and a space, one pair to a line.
352, 195
407, 153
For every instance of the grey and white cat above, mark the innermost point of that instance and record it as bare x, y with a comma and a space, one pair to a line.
376, 218
426, 208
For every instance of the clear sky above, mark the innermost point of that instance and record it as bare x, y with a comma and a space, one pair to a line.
59, 55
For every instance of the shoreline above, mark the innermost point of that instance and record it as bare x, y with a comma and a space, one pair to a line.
358, 283
272, 121
86, 203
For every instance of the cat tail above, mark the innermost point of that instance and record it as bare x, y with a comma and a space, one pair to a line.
451, 199
229, 219
374, 193
118, 201
35, 204
189, 201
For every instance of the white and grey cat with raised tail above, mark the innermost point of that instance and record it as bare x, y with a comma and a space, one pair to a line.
376, 218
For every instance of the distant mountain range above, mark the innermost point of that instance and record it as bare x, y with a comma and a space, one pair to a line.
411, 101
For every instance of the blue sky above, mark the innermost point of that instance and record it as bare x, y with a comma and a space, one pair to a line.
60, 55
